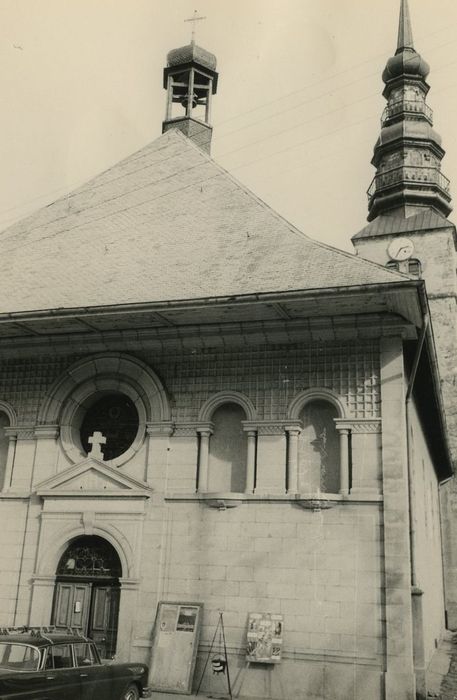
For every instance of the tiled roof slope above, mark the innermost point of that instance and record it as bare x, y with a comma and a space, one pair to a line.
397, 222
166, 223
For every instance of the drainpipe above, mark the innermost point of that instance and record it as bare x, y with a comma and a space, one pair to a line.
409, 393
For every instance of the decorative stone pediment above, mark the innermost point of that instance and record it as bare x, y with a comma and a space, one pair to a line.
92, 477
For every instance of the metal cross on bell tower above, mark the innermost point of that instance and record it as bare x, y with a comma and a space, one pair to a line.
194, 19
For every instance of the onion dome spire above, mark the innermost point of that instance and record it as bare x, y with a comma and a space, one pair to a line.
408, 153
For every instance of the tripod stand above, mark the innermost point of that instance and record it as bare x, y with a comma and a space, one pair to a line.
219, 661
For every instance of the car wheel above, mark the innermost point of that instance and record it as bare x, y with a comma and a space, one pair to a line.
131, 693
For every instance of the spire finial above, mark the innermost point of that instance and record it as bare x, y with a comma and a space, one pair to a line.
405, 32
194, 21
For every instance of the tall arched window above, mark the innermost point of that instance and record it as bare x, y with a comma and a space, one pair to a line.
319, 451
228, 449
4, 442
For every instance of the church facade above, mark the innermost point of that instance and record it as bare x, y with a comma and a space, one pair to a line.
207, 406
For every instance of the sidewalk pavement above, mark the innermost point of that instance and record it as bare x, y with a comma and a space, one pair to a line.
442, 672
174, 696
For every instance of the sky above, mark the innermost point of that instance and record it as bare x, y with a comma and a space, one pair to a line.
296, 114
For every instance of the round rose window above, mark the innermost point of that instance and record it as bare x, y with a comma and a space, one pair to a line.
116, 417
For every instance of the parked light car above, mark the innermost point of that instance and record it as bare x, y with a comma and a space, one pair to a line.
44, 664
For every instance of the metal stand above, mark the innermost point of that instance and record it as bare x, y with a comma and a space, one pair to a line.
220, 628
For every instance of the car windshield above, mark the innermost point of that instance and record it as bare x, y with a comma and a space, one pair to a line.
18, 657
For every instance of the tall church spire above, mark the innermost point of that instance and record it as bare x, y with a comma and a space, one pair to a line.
408, 153
405, 32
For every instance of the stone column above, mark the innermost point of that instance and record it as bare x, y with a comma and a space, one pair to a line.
293, 432
250, 460
364, 453
12, 435
344, 461
205, 431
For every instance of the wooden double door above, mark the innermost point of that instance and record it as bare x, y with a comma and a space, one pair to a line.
91, 607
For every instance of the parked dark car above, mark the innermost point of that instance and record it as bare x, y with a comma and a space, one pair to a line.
38, 664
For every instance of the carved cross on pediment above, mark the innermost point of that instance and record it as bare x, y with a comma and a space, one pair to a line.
97, 440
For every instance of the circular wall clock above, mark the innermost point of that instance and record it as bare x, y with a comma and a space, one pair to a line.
400, 249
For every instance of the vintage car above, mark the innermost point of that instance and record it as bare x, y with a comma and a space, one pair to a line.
47, 664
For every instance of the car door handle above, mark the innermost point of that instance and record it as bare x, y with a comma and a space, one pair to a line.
83, 675
50, 678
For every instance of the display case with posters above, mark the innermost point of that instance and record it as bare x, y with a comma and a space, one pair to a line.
264, 638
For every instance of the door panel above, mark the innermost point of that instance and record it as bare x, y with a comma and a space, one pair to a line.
64, 597
103, 619
80, 607
71, 607
91, 608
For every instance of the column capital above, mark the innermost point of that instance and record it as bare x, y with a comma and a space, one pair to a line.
358, 425
159, 428
294, 427
25, 432
11, 433
50, 431
205, 428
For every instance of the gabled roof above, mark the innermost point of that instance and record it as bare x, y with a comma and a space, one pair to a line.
166, 223
396, 222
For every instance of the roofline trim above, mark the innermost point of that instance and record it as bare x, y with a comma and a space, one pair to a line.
198, 302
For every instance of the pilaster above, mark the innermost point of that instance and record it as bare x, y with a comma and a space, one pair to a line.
46, 451
399, 674
158, 436
271, 458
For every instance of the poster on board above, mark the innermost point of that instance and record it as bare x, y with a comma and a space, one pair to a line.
264, 638
174, 646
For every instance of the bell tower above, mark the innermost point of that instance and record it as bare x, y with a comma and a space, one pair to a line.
408, 153
408, 230
190, 79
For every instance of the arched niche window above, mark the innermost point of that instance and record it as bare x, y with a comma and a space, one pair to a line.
228, 449
319, 450
4, 443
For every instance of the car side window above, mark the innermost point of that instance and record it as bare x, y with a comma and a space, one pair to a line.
84, 654
59, 656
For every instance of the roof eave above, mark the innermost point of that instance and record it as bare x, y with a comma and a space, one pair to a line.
198, 302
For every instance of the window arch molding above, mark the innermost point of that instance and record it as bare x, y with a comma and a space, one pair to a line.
315, 394
8, 433
6, 407
85, 381
47, 564
223, 397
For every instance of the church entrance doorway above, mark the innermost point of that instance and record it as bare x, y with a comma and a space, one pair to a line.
87, 591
